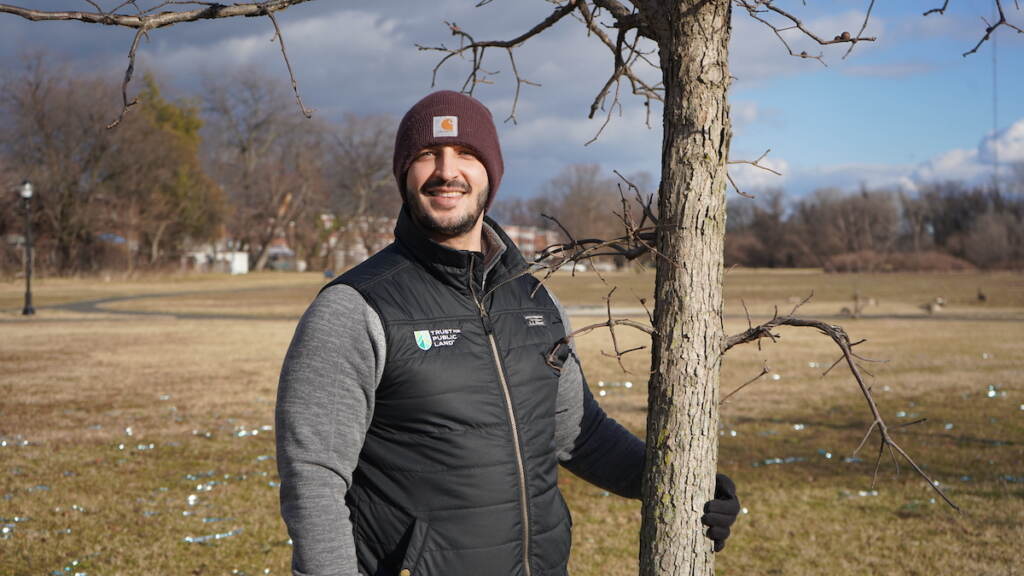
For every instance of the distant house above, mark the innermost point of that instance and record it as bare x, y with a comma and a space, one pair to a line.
531, 240
222, 256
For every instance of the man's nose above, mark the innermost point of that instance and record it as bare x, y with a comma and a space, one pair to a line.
445, 164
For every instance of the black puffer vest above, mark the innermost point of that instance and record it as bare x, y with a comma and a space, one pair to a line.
458, 473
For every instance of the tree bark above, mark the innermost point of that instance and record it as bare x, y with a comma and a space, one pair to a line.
682, 439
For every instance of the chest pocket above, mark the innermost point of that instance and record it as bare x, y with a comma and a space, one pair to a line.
439, 377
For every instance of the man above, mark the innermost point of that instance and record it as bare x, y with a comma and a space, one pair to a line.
419, 423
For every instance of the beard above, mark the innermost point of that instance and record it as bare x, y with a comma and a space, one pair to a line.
451, 229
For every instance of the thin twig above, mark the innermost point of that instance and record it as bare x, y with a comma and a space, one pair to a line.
125, 103
764, 370
295, 85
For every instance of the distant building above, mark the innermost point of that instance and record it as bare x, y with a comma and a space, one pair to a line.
221, 256
362, 238
532, 240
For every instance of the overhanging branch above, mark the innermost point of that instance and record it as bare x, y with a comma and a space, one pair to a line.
158, 16
150, 19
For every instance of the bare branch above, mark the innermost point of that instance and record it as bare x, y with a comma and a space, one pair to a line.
737, 188
764, 370
623, 67
477, 75
625, 54
990, 28
941, 10
519, 84
867, 17
839, 336
125, 104
758, 8
150, 21
610, 323
756, 164
284, 53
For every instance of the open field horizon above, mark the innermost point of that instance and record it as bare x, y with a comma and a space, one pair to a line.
136, 425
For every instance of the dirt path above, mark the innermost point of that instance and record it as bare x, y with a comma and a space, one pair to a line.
100, 306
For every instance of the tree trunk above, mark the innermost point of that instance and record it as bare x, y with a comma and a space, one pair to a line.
154, 247
262, 256
682, 439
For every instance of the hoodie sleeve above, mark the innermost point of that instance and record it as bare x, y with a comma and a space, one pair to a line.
325, 402
590, 444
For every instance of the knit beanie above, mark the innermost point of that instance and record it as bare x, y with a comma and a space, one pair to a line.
449, 118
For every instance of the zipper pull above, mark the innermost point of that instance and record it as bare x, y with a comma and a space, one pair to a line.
488, 328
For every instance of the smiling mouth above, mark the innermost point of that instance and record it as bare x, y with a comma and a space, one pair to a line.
444, 192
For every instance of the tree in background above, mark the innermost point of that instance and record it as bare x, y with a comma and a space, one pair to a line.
270, 165
50, 135
758, 234
105, 197
585, 201
525, 211
170, 200
359, 164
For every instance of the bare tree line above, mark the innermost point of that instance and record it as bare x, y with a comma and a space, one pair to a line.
235, 163
942, 226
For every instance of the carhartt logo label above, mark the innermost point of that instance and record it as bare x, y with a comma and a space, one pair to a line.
446, 126
427, 339
534, 320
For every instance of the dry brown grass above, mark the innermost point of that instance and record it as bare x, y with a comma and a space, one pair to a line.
72, 382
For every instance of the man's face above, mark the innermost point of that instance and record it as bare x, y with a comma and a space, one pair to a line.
446, 189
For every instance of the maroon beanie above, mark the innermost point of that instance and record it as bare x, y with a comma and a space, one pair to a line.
449, 118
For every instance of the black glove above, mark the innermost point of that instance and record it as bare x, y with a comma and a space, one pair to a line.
721, 512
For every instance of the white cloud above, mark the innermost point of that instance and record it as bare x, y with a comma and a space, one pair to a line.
1009, 144
852, 176
975, 165
956, 164
313, 42
970, 165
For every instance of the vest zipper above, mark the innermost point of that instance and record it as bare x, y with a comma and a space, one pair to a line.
489, 330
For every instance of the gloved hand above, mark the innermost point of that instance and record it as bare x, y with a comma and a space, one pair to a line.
720, 513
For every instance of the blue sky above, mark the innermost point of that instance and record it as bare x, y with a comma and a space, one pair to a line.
901, 111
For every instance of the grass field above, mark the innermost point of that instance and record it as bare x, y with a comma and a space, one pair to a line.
136, 437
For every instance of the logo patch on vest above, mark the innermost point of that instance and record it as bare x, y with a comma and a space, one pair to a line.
534, 320
427, 339
446, 126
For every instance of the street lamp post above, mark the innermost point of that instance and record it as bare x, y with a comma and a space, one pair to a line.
26, 200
